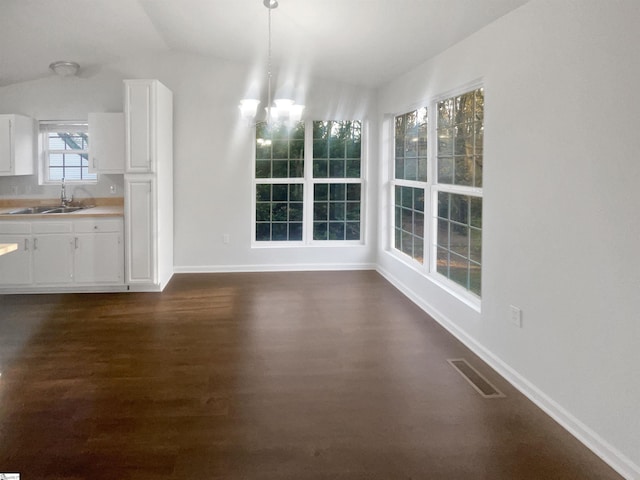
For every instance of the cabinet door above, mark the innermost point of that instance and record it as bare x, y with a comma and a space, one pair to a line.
106, 142
53, 259
98, 258
17, 137
6, 152
139, 126
16, 267
139, 211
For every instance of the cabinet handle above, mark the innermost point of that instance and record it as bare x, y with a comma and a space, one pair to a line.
94, 162
35, 243
75, 243
26, 244
10, 145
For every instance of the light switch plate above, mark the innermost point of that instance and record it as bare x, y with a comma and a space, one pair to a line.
515, 316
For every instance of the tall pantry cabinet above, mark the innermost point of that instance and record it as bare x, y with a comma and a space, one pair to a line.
148, 182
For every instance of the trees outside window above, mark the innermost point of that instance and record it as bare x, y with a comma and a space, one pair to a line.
314, 201
441, 180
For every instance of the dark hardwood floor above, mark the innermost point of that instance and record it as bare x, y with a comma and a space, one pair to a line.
323, 375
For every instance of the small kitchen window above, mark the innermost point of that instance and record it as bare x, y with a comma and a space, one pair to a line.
64, 148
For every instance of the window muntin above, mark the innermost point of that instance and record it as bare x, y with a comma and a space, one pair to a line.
65, 149
279, 150
460, 139
336, 211
279, 211
459, 239
410, 182
411, 131
337, 188
337, 149
409, 221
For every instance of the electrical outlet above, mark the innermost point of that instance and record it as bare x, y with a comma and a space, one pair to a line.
225, 239
113, 189
515, 316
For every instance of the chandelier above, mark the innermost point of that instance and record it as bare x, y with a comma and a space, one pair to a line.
283, 108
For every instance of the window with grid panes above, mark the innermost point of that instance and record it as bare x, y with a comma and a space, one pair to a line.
337, 184
279, 188
332, 182
458, 190
410, 182
65, 147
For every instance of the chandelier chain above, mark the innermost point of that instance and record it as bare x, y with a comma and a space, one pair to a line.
269, 72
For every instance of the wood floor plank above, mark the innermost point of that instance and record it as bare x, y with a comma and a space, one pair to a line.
296, 375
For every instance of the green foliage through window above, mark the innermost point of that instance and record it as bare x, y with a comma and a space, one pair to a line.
446, 188
337, 155
334, 181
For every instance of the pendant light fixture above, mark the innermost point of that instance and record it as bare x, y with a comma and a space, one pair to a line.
284, 108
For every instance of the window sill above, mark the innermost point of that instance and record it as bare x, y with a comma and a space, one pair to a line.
316, 244
462, 295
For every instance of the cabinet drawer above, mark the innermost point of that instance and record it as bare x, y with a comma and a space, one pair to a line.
52, 227
15, 227
94, 226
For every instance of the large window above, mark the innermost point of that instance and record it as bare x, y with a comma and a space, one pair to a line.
65, 152
308, 202
336, 180
459, 189
279, 192
441, 180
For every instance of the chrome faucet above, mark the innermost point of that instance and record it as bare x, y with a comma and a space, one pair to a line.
64, 201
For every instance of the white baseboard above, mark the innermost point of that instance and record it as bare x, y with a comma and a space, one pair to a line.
302, 267
63, 289
609, 454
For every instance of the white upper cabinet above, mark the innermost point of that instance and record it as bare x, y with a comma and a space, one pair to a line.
106, 142
139, 109
147, 106
17, 139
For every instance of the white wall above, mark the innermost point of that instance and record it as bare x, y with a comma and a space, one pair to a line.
561, 223
212, 153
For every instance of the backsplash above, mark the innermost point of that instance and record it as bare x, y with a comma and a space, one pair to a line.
26, 186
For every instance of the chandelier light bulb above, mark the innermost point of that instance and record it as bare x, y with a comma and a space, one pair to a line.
282, 108
249, 107
295, 113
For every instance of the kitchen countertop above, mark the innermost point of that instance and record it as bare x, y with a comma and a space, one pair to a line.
98, 211
111, 207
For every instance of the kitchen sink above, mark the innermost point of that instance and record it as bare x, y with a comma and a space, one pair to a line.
44, 209
64, 210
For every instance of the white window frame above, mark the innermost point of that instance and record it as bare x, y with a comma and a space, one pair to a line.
48, 126
429, 266
308, 181
417, 184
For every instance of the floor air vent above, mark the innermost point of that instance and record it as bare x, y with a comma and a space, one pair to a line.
475, 378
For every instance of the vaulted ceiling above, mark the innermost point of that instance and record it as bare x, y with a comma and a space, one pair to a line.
362, 42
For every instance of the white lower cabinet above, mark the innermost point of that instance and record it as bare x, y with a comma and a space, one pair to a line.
16, 267
52, 252
141, 238
52, 259
63, 253
98, 252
